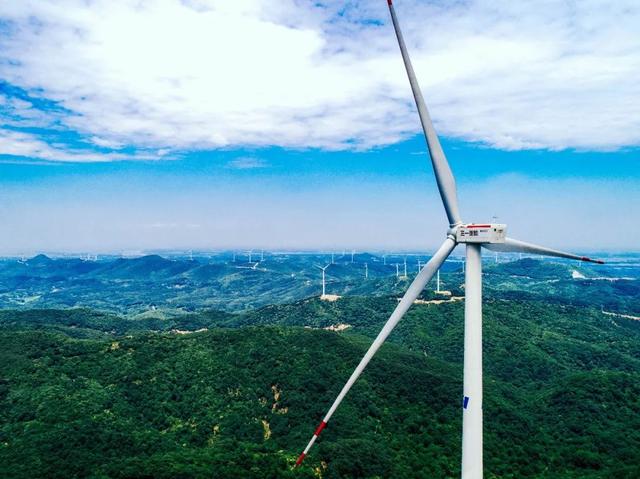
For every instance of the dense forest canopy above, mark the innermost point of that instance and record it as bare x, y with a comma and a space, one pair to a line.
103, 391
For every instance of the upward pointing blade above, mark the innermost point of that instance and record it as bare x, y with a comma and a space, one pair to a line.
444, 177
407, 300
515, 246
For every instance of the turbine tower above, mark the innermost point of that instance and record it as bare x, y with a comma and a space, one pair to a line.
323, 280
474, 237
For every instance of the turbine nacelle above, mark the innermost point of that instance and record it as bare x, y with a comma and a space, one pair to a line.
481, 233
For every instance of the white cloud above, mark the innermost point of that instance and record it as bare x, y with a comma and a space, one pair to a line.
28, 145
104, 143
184, 75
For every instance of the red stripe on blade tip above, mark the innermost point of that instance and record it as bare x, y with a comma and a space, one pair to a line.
320, 428
585, 258
300, 459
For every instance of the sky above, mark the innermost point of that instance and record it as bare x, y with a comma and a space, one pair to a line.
149, 125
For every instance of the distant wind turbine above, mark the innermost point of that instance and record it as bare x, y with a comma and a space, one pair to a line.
474, 237
366, 271
323, 278
253, 267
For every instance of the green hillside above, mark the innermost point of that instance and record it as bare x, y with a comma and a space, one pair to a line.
156, 287
562, 389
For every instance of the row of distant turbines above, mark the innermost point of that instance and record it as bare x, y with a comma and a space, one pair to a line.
250, 254
397, 265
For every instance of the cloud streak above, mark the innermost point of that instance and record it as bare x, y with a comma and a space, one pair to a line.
181, 76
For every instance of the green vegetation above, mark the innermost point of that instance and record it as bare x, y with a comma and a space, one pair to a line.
86, 394
159, 288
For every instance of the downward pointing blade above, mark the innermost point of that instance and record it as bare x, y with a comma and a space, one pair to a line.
407, 300
516, 246
444, 176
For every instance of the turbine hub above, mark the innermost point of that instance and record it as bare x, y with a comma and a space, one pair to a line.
481, 233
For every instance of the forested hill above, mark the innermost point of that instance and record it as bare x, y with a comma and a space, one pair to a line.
85, 394
156, 287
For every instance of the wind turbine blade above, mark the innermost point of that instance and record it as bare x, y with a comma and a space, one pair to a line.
444, 176
407, 300
516, 246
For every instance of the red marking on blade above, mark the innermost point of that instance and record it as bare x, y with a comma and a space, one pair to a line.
389, 2
478, 226
320, 428
300, 459
599, 261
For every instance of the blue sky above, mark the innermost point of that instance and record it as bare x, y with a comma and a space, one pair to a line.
293, 127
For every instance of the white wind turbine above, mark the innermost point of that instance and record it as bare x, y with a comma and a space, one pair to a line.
323, 278
474, 237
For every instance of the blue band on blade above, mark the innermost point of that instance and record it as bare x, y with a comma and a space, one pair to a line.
465, 402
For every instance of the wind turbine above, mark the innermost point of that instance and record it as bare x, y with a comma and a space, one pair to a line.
254, 266
323, 281
474, 237
366, 271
